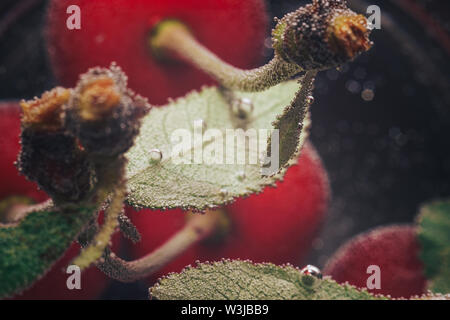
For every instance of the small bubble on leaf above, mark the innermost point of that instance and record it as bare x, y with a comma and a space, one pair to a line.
311, 276
155, 155
312, 271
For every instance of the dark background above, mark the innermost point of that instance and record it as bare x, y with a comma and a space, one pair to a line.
381, 124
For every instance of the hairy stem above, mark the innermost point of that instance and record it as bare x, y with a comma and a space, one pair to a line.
174, 37
94, 251
198, 227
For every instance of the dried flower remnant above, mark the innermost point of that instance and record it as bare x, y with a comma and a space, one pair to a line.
98, 99
321, 35
49, 155
349, 34
73, 145
105, 117
46, 112
103, 114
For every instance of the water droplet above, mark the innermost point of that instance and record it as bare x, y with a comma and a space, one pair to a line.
311, 276
155, 155
241, 175
312, 271
242, 107
310, 99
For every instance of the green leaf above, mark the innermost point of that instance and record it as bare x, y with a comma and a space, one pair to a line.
290, 122
243, 280
163, 184
434, 236
30, 248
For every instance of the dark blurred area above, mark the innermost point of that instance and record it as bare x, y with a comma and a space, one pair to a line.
381, 123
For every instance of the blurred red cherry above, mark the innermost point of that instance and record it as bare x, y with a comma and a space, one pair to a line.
394, 249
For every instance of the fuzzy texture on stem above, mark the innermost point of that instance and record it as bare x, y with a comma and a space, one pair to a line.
103, 237
318, 36
174, 37
117, 30
197, 228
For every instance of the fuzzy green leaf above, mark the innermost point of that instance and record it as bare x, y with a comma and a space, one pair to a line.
243, 280
434, 236
162, 183
29, 249
290, 122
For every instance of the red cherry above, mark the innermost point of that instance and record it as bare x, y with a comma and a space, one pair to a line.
395, 249
275, 226
53, 284
118, 30
13, 184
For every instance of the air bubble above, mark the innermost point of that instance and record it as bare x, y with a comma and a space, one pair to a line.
312, 271
155, 155
311, 276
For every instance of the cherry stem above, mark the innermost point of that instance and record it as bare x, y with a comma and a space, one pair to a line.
197, 228
175, 37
